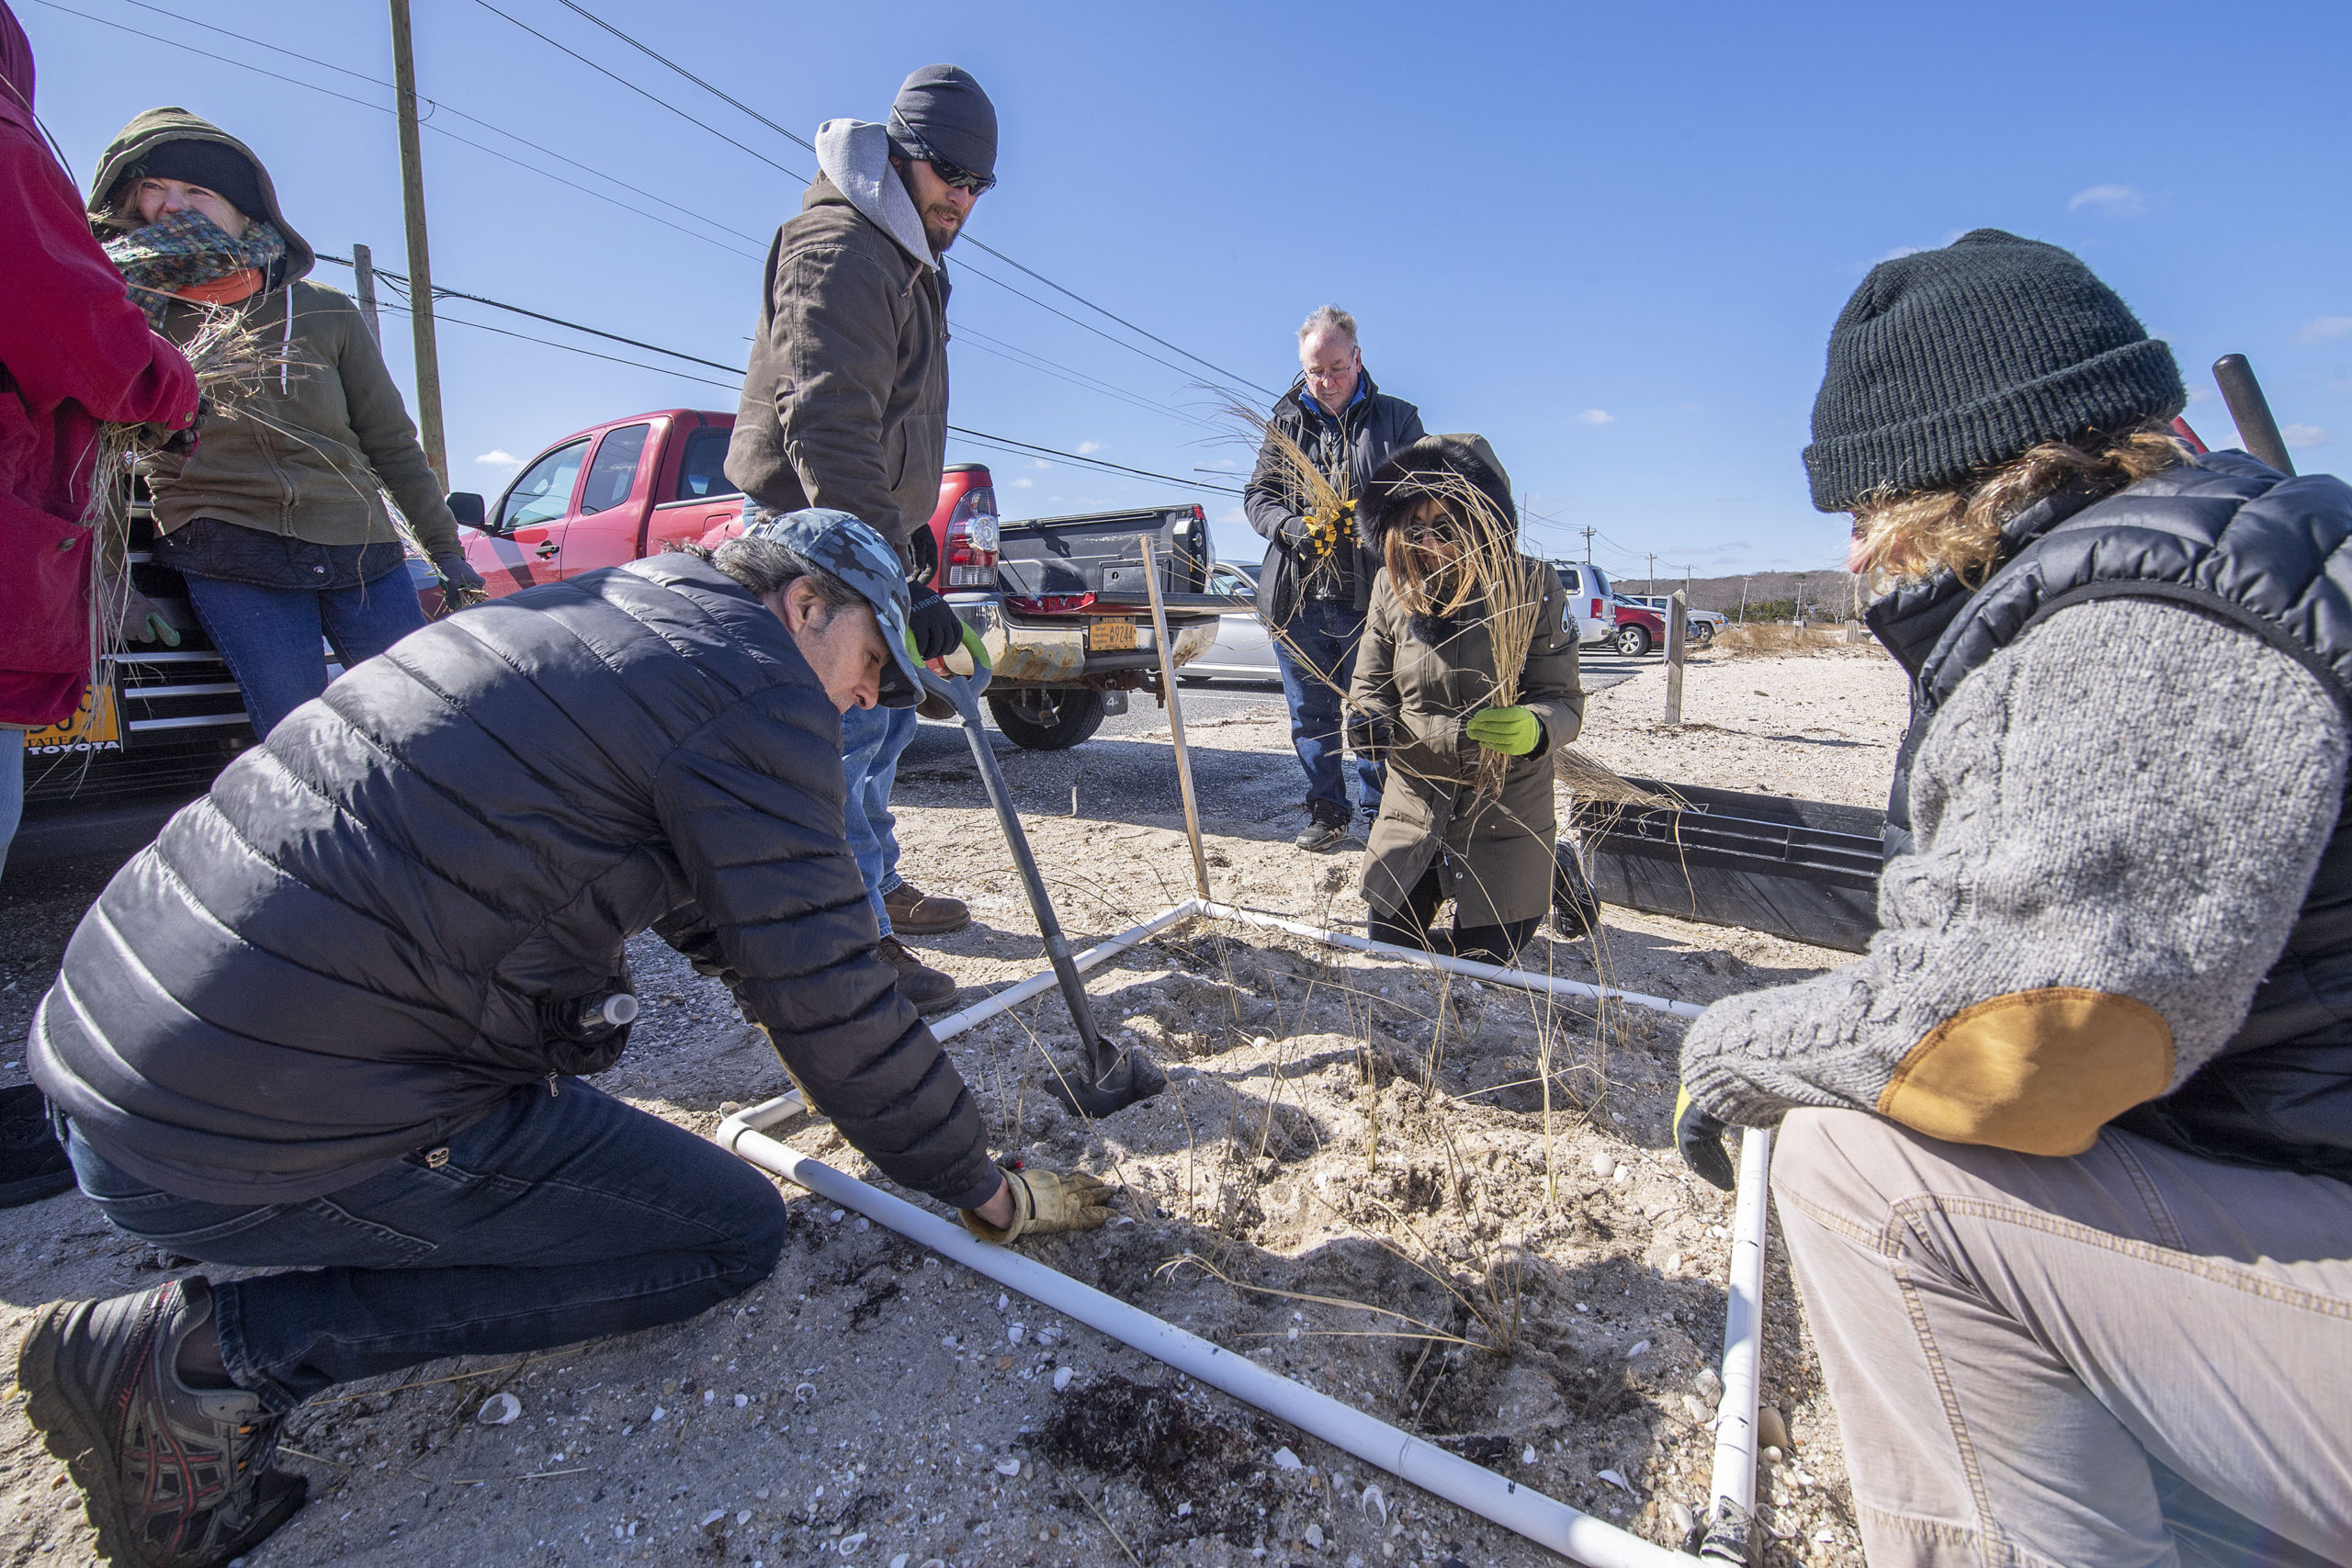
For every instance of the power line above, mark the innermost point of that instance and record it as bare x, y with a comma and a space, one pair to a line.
382, 108
640, 92
1029, 447
728, 98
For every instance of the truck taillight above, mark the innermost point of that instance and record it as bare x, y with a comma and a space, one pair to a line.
972, 538
1053, 605
1596, 609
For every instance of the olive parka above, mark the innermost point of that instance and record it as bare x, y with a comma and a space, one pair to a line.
1425, 677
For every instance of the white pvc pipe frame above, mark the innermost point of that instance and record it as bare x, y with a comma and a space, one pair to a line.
1541, 1519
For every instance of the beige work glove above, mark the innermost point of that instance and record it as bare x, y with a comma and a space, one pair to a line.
1045, 1202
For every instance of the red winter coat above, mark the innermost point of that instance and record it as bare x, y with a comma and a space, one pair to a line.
74, 351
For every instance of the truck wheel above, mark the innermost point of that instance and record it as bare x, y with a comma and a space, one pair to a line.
1702, 633
1632, 641
1047, 718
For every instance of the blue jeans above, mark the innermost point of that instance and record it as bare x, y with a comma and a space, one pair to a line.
12, 790
873, 739
270, 637
1326, 632
555, 1219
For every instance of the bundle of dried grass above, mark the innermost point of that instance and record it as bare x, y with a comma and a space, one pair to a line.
231, 360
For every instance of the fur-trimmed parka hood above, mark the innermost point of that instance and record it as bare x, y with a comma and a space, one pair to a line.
1405, 478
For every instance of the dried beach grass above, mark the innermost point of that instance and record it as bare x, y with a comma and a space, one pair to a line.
231, 360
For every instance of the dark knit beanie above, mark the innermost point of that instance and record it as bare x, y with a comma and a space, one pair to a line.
1945, 362
221, 170
941, 108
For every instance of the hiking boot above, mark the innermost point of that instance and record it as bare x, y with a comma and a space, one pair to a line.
918, 982
1327, 827
173, 1476
919, 913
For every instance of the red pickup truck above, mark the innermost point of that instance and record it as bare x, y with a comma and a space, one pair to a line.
1060, 602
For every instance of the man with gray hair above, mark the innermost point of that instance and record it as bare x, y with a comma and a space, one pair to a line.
1317, 582
337, 1019
845, 406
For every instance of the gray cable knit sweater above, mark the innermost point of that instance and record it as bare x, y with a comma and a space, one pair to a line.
2131, 800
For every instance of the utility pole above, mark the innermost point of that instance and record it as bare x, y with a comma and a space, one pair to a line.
1743, 600
1587, 531
1650, 584
1801, 576
363, 270
420, 264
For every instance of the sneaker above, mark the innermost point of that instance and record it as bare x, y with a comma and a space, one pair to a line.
919, 913
927, 987
1327, 829
173, 1476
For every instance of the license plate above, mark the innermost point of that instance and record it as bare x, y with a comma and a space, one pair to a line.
1109, 636
96, 726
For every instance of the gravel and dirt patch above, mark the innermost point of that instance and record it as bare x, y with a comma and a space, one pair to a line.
1451, 1204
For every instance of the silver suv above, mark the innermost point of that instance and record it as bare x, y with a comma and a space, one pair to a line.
1592, 600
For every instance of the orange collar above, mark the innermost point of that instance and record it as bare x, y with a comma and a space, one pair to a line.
241, 285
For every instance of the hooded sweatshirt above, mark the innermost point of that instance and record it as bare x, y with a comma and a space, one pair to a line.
845, 402
73, 352
329, 435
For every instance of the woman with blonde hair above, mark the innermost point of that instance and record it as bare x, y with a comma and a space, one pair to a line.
1458, 619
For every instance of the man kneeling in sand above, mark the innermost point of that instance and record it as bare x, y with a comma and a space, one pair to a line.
333, 1019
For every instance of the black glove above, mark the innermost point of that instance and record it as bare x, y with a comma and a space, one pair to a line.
1699, 1136
1371, 735
933, 622
458, 572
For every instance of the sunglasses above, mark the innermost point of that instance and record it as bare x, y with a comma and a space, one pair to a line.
955, 174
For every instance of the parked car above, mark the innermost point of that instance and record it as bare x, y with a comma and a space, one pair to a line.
1244, 649
1639, 628
152, 731
1703, 623
1061, 603
1594, 602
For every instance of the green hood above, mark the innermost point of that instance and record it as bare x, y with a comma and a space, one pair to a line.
130, 146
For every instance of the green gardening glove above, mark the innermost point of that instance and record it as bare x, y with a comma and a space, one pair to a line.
1512, 732
974, 648
1699, 1137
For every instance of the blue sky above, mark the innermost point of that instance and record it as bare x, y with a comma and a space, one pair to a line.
1611, 238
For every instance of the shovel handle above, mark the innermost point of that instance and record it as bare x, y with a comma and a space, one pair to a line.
2251, 412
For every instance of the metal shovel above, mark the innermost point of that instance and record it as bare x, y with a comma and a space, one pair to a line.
1112, 1081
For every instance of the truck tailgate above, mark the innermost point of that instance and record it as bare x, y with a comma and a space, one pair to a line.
1102, 553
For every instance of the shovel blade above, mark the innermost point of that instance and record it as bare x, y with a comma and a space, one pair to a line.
1131, 1078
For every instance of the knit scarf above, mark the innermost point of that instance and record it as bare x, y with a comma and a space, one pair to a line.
185, 250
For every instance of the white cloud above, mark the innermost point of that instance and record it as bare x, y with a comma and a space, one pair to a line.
1596, 416
1233, 514
1039, 463
2322, 329
1025, 484
2109, 202
497, 459
2303, 437
1088, 448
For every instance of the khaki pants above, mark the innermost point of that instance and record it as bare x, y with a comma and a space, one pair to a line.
2132, 1356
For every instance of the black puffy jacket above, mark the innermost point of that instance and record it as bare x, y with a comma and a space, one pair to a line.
344, 952
1367, 431
2255, 550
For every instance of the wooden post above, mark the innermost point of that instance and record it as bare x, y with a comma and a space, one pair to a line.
1743, 600
420, 262
1677, 620
363, 271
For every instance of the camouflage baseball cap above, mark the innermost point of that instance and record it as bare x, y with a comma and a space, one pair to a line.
840, 546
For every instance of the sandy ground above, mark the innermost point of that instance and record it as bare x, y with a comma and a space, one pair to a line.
1446, 1204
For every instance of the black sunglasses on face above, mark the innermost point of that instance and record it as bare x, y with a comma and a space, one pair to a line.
955, 174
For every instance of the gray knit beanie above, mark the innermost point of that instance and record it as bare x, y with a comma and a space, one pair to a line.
1945, 362
941, 108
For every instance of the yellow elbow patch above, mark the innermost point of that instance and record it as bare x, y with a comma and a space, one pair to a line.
2040, 1072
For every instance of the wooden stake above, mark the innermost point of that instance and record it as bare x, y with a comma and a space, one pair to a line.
1678, 612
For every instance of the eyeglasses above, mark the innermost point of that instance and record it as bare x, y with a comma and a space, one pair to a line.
955, 174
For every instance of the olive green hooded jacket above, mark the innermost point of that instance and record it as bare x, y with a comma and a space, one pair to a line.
313, 452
